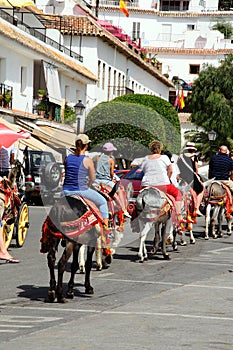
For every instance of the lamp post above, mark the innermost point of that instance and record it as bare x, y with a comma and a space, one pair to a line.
79, 109
212, 137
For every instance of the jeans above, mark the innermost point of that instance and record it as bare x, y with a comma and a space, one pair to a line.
105, 182
93, 196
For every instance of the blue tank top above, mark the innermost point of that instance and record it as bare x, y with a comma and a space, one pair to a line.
76, 175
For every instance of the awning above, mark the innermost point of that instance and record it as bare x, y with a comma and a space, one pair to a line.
52, 83
32, 143
55, 136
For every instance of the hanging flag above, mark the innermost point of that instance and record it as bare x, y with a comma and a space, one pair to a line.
179, 101
182, 104
123, 8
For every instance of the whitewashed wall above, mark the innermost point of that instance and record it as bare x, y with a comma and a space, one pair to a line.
10, 74
94, 49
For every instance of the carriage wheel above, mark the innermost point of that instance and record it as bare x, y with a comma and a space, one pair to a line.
22, 225
7, 231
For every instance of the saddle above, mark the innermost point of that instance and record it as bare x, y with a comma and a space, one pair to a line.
220, 199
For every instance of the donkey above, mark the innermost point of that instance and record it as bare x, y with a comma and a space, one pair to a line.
216, 199
154, 209
72, 221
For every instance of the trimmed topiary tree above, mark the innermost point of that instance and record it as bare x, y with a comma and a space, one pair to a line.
130, 126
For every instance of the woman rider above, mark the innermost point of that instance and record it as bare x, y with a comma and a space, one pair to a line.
80, 174
157, 170
105, 172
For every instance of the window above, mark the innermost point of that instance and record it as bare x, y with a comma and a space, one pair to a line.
166, 32
109, 82
23, 80
194, 68
190, 26
114, 82
170, 5
67, 93
136, 30
99, 67
185, 5
103, 76
119, 84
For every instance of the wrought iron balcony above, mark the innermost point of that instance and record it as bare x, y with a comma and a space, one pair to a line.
37, 33
6, 93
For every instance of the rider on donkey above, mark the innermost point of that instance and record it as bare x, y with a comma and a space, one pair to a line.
105, 172
157, 170
220, 168
188, 165
80, 175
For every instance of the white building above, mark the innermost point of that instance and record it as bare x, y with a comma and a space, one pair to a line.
73, 58
176, 33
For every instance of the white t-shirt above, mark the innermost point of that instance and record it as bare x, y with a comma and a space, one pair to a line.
155, 171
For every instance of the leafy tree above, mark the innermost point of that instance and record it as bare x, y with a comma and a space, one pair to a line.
69, 115
212, 99
225, 4
130, 126
224, 28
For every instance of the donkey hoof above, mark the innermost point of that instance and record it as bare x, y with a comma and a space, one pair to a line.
192, 241
166, 257
81, 269
70, 294
228, 233
206, 238
51, 295
153, 250
61, 299
89, 290
98, 268
183, 243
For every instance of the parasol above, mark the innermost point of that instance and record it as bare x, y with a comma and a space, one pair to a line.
9, 136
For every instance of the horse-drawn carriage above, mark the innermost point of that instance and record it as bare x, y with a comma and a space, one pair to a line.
15, 218
13, 208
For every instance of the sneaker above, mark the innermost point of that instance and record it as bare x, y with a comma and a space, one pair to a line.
127, 214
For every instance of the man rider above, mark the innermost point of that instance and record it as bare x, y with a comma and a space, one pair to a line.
220, 167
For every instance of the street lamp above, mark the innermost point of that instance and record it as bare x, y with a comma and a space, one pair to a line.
212, 137
79, 109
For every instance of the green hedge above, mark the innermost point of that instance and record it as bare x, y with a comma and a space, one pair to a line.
131, 127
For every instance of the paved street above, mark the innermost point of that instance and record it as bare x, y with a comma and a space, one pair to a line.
182, 303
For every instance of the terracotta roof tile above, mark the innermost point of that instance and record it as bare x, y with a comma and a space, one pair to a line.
186, 51
14, 34
87, 26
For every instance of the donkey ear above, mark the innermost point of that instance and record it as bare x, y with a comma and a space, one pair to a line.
208, 182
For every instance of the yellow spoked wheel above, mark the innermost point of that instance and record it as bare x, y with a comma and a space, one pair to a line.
8, 231
21, 225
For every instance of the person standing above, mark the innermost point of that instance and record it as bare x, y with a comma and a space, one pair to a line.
188, 165
80, 175
4, 254
7, 157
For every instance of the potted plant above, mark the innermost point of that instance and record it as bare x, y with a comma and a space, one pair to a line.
7, 98
41, 108
40, 94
